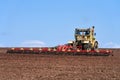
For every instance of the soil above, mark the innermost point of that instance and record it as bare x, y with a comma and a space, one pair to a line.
59, 67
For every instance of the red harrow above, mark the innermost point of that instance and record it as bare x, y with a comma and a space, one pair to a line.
62, 49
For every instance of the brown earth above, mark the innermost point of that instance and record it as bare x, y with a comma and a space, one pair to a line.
59, 67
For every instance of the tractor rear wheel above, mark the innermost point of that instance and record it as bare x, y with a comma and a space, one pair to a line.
96, 45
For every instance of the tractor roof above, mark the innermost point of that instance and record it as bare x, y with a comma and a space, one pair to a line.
82, 30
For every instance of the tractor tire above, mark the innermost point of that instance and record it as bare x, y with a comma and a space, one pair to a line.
75, 45
87, 47
96, 45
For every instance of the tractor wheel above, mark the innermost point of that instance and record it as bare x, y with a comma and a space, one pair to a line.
87, 47
96, 45
75, 45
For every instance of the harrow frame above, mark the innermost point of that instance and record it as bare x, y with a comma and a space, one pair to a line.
48, 50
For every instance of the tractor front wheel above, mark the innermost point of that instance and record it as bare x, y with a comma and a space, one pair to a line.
96, 45
87, 46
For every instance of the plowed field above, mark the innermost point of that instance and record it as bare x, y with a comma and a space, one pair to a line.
59, 67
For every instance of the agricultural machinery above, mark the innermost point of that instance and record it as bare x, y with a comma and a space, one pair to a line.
85, 43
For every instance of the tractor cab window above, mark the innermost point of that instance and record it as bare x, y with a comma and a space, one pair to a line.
87, 33
82, 32
77, 32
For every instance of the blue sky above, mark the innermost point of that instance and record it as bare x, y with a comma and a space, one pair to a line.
52, 22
